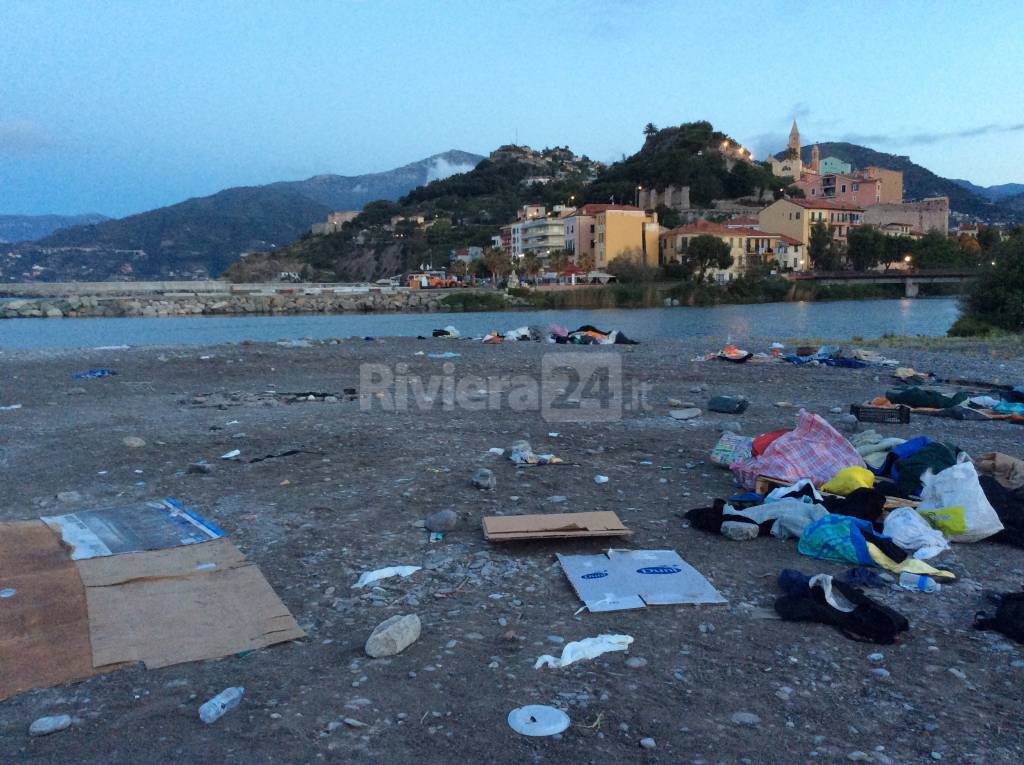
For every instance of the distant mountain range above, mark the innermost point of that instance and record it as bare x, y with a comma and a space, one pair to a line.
27, 228
993, 193
206, 234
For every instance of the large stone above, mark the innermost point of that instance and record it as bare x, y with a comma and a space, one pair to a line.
442, 520
393, 636
684, 414
44, 726
133, 442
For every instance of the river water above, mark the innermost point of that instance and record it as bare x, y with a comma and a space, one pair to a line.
839, 320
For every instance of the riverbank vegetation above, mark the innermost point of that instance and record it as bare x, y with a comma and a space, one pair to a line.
994, 304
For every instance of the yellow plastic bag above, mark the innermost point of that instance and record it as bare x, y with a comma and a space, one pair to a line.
848, 480
951, 521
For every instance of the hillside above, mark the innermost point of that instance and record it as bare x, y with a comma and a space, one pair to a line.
468, 208
995, 193
340, 192
918, 182
204, 235
27, 228
689, 155
463, 209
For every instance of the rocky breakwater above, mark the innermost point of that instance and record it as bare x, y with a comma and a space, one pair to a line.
224, 304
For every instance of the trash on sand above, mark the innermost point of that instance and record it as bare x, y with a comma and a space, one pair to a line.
588, 648
1008, 618
496, 450
624, 579
231, 454
821, 598
369, 577
728, 404
814, 450
136, 528
444, 355
731, 447
92, 374
523, 454
919, 583
220, 704
734, 354
958, 486
10, 407
484, 479
503, 528
538, 720
159, 607
600, 479
448, 331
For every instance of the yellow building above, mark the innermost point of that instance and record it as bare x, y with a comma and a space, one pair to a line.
624, 230
892, 184
794, 217
752, 249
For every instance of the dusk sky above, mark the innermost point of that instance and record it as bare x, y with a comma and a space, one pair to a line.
119, 107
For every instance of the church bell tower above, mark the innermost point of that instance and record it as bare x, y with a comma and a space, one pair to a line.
794, 142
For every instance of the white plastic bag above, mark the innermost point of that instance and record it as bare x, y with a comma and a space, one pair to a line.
588, 648
958, 486
914, 534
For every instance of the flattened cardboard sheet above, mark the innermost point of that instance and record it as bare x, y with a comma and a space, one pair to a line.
636, 578
147, 526
502, 528
189, 603
44, 624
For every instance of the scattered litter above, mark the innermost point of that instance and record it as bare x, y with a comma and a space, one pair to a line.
231, 454
600, 479
369, 577
538, 720
113, 531
484, 479
289, 453
496, 450
503, 528
523, 454
92, 374
10, 407
553, 435
624, 579
444, 355
728, 404
220, 704
588, 648
8, 592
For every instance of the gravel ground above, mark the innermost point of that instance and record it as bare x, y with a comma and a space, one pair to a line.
354, 499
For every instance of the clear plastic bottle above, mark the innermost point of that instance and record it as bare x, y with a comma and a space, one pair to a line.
919, 582
223, 702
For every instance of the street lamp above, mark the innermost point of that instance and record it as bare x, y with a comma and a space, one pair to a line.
638, 190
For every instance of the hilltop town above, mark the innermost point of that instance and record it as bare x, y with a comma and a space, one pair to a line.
580, 222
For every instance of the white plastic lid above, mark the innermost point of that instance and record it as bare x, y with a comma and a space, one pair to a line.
538, 720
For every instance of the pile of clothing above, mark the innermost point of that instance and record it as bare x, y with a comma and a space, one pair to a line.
956, 404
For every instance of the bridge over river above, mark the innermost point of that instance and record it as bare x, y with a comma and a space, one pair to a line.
911, 280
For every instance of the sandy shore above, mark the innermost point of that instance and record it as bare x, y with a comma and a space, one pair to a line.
352, 500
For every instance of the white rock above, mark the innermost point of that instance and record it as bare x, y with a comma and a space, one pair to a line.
393, 636
684, 414
133, 442
44, 726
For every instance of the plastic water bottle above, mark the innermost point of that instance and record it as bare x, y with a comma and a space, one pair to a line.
919, 582
223, 702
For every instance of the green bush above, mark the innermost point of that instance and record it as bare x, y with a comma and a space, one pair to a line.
475, 301
997, 297
968, 326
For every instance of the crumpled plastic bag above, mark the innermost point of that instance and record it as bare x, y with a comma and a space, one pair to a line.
588, 648
848, 480
958, 486
911, 531
369, 577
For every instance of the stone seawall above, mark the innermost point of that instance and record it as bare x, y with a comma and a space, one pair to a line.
224, 304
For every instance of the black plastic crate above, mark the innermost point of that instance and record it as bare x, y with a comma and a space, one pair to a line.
898, 415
